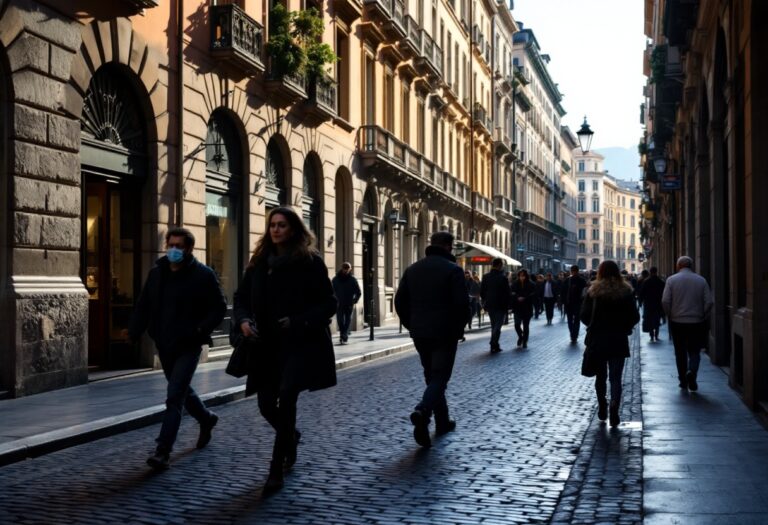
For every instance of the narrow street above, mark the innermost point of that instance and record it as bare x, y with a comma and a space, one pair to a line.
519, 454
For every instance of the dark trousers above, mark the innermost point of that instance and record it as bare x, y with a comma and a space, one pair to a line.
278, 406
437, 357
689, 339
574, 324
474, 308
549, 307
344, 318
609, 369
522, 325
497, 320
178, 370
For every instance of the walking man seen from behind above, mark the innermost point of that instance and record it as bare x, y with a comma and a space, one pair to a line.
433, 305
573, 292
347, 291
549, 294
494, 292
687, 302
180, 305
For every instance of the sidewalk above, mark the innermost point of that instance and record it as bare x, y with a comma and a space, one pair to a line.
43, 423
705, 457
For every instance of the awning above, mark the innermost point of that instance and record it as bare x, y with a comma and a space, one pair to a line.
481, 249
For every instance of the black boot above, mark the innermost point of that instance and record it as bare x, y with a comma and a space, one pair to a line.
275, 478
290, 455
602, 409
614, 417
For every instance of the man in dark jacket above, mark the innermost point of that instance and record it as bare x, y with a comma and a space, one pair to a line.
347, 291
573, 293
550, 291
494, 292
179, 307
433, 305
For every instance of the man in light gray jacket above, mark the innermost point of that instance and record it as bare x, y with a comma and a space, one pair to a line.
687, 302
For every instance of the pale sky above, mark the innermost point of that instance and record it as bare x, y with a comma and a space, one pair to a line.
596, 50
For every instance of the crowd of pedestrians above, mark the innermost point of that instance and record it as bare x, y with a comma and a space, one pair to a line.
285, 301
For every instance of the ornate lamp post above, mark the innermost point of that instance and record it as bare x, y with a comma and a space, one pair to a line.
585, 136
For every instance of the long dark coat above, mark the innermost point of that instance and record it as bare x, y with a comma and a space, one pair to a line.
615, 314
494, 291
303, 354
650, 293
522, 309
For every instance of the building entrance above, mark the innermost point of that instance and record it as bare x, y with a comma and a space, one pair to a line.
110, 270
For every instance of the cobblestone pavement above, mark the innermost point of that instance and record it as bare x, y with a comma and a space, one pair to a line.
522, 419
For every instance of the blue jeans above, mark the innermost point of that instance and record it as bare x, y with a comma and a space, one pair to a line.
689, 340
437, 357
344, 318
497, 320
179, 369
609, 369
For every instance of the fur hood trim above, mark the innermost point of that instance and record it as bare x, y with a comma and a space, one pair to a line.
610, 288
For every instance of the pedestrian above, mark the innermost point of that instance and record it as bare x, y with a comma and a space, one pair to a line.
494, 293
473, 292
650, 293
550, 293
433, 305
347, 292
561, 277
687, 302
610, 313
180, 305
643, 276
538, 298
286, 301
573, 294
522, 294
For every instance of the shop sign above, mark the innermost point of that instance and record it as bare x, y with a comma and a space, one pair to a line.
481, 259
670, 182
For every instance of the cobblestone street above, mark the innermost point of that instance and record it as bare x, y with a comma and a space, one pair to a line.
522, 417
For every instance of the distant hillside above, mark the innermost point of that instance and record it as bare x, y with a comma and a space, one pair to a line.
622, 163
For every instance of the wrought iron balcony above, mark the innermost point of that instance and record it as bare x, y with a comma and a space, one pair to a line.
322, 98
430, 60
236, 38
286, 89
480, 117
483, 205
411, 45
557, 229
501, 141
138, 4
348, 10
380, 149
532, 218
390, 14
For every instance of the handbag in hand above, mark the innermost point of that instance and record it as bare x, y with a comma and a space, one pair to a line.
589, 360
238, 365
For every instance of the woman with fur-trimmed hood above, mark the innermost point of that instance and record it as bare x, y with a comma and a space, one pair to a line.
610, 313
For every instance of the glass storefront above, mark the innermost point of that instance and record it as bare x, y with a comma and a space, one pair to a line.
221, 240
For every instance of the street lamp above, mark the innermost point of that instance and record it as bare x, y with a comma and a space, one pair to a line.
660, 165
585, 136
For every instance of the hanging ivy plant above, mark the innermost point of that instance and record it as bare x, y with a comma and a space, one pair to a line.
658, 63
295, 46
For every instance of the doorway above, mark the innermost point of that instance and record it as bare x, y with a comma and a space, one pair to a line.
368, 274
111, 276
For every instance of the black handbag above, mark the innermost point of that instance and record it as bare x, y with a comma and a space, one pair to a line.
242, 348
589, 361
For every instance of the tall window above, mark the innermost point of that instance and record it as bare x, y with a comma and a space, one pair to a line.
595, 185
632, 221
582, 186
420, 116
582, 234
406, 113
596, 205
582, 205
581, 165
370, 90
342, 74
389, 100
595, 234
632, 203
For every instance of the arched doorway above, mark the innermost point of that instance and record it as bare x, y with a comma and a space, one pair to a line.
224, 208
312, 176
114, 166
344, 230
276, 170
369, 213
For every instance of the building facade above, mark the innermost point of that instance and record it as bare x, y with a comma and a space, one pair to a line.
123, 119
705, 163
622, 224
592, 223
569, 248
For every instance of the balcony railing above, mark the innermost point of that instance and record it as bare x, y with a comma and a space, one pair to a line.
535, 219
503, 205
501, 141
379, 144
236, 37
480, 116
323, 97
392, 14
412, 42
431, 56
483, 205
557, 229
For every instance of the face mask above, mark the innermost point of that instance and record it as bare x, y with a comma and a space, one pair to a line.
175, 255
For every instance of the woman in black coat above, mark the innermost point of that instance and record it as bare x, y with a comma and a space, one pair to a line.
285, 303
650, 293
610, 313
522, 294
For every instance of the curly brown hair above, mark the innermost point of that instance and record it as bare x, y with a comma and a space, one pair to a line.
301, 244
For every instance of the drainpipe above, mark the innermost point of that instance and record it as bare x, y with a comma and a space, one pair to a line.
180, 113
471, 122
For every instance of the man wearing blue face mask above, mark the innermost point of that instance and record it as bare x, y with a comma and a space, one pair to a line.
180, 305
